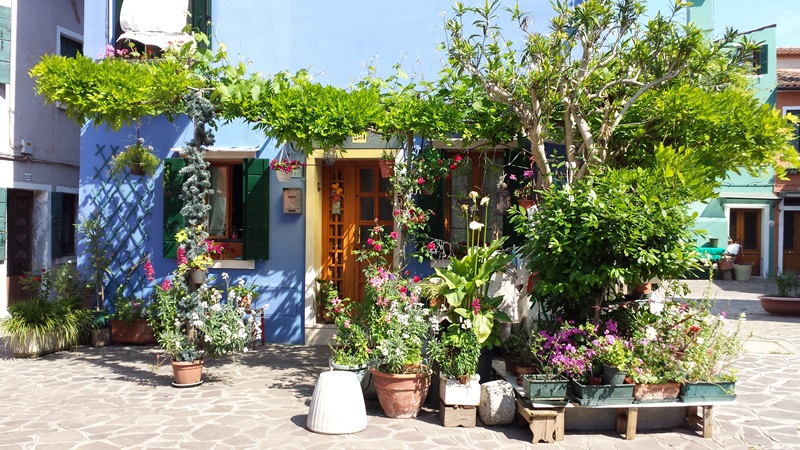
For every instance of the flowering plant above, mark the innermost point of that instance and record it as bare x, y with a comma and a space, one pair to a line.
350, 344
612, 350
399, 323
285, 165
567, 350
202, 260
456, 350
465, 281
211, 327
654, 348
525, 186
218, 248
130, 309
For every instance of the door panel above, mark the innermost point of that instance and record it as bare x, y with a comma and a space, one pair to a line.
745, 227
20, 240
791, 240
357, 200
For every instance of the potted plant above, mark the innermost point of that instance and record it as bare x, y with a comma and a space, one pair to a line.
284, 167
92, 233
714, 345
560, 354
655, 369
398, 325
39, 325
614, 353
386, 164
129, 321
194, 258
216, 325
517, 351
524, 189
350, 344
456, 351
787, 301
137, 158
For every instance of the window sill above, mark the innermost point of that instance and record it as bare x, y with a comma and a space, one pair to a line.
246, 264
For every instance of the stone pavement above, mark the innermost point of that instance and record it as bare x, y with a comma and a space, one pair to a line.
104, 398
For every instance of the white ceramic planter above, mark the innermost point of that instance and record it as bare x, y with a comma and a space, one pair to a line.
337, 405
31, 346
454, 393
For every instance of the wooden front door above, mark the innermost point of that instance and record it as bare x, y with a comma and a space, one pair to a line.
745, 227
354, 198
20, 241
791, 240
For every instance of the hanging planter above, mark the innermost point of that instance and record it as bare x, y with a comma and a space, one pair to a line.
137, 158
283, 166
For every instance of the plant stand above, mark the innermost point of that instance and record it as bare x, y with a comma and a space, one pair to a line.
547, 424
457, 415
695, 418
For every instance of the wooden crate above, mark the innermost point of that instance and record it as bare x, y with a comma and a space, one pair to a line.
458, 415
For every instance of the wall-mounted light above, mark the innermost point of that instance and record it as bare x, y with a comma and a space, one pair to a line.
330, 155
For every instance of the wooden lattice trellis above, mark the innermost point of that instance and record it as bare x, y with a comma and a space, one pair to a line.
124, 204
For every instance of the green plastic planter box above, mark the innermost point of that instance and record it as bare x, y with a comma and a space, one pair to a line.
722, 391
538, 387
603, 394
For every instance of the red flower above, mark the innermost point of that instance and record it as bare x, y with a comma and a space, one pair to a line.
458, 158
420, 180
377, 247
431, 246
416, 278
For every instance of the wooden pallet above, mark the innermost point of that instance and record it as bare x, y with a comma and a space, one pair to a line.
457, 415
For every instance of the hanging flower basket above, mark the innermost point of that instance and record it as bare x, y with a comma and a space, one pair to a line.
137, 158
284, 167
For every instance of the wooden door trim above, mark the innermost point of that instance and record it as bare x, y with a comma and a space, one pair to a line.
766, 250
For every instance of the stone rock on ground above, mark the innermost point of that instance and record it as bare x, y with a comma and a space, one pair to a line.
497, 405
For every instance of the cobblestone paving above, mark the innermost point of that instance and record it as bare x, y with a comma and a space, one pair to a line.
105, 398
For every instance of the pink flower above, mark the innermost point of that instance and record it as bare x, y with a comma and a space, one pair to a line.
396, 212
528, 174
166, 284
377, 247
149, 272
420, 180
416, 278
512, 177
393, 235
403, 289
370, 241
476, 305
181, 254
347, 323
431, 246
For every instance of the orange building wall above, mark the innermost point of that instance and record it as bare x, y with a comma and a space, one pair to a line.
787, 98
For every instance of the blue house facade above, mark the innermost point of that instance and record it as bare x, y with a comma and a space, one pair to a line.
298, 240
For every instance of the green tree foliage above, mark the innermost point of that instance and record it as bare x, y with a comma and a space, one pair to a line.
577, 83
623, 226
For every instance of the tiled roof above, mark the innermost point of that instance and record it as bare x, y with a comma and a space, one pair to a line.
788, 51
788, 78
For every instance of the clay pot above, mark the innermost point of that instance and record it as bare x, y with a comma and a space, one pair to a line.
187, 373
781, 306
401, 395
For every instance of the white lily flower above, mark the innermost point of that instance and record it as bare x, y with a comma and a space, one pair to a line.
474, 225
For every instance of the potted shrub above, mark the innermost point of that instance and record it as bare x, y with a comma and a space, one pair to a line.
350, 344
39, 325
787, 300
386, 164
456, 351
129, 321
656, 368
713, 346
398, 325
137, 158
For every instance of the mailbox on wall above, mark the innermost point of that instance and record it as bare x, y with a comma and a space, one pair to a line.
292, 201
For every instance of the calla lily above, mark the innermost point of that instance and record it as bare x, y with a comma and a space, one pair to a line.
473, 195
474, 225
484, 201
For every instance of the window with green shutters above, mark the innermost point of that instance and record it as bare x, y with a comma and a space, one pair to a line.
239, 215
5, 44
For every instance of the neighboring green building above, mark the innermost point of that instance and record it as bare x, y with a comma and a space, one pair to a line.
744, 208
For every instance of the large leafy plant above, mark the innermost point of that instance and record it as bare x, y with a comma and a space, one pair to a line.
465, 281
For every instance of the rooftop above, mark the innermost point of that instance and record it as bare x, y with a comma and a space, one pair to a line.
789, 78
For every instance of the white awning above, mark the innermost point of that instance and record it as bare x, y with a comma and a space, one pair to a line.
154, 22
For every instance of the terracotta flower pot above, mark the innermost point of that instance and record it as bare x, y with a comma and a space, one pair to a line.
780, 306
137, 332
387, 168
656, 392
401, 395
187, 373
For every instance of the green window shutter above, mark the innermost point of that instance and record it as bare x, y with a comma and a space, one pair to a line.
56, 225
201, 16
173, 220
5, 44
3, 222
256, 209
763, 59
